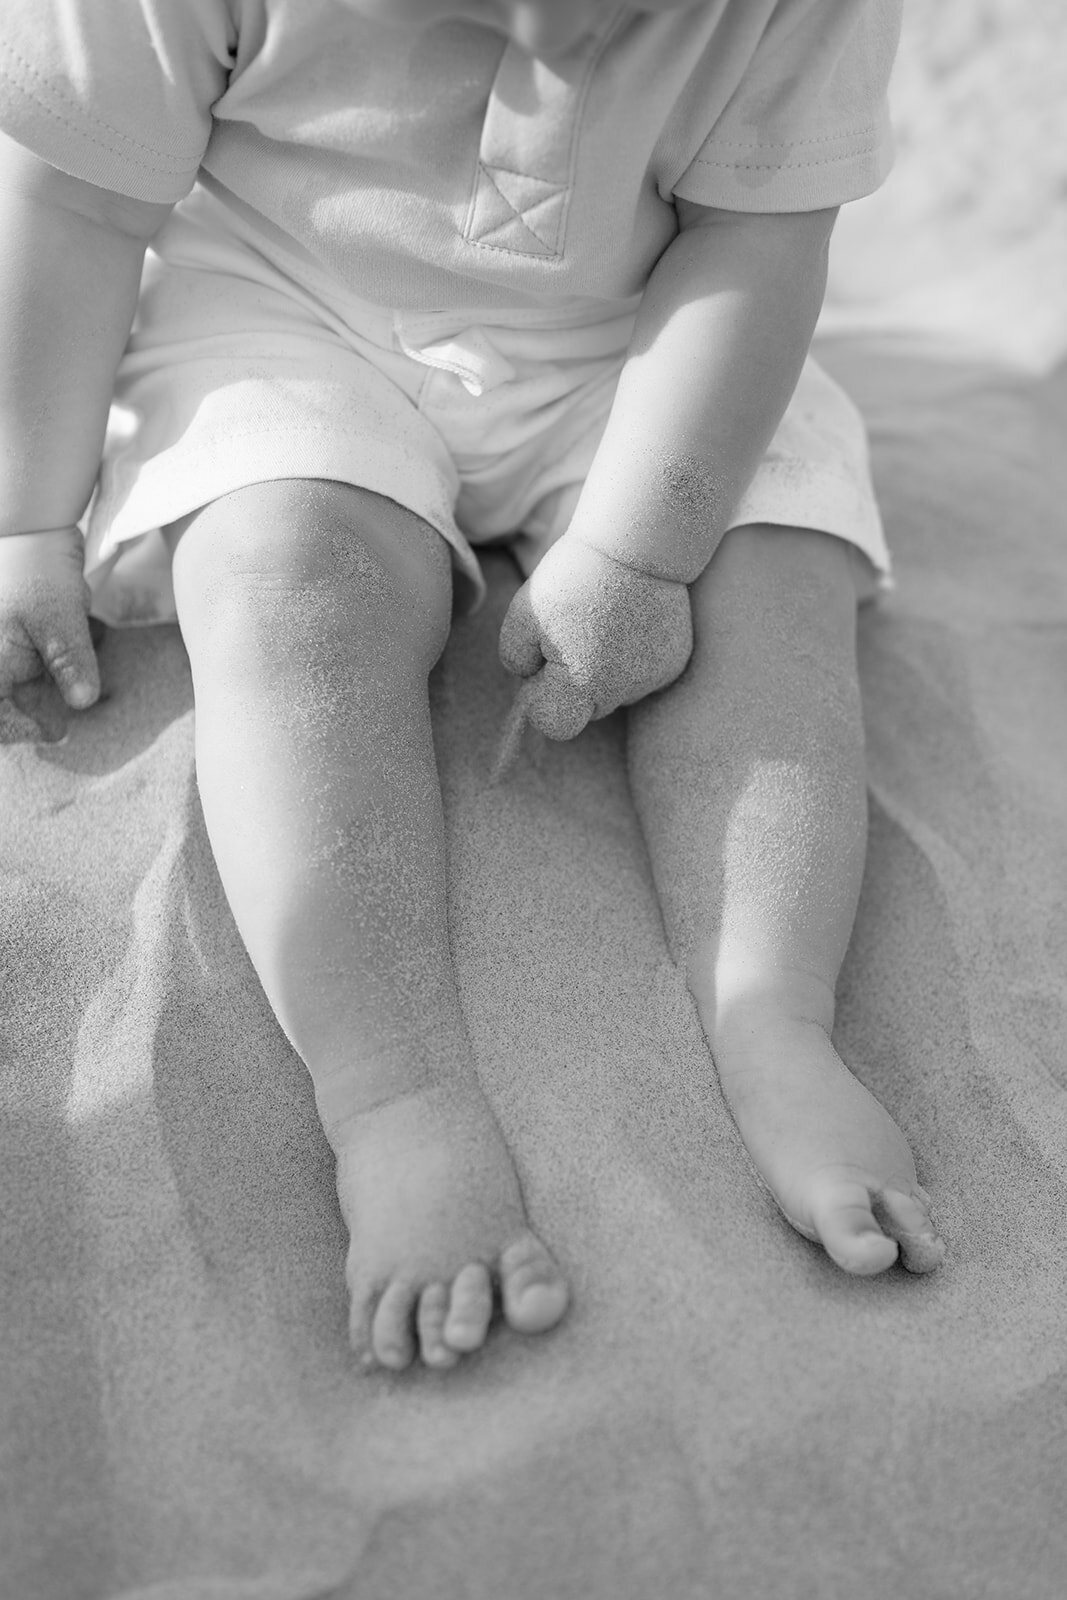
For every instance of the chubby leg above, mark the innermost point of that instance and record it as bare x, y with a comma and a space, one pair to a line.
313, 613
748, 775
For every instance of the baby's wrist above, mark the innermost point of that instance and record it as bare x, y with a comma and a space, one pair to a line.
658, 560
45, 552
668, 527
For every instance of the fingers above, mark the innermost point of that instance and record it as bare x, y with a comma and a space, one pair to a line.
63, 644
520, 637
43, 614
19, 660
589, 635
554, 704
549, 699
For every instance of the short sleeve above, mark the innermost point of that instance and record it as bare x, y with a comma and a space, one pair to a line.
116, 92
807, 125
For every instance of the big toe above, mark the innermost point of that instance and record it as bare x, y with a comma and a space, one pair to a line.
532, 1288
906, 1217
842, 1216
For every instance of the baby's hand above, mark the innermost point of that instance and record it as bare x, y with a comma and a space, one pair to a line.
44, 623
589, 634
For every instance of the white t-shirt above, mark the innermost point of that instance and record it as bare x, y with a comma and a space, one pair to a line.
447, 168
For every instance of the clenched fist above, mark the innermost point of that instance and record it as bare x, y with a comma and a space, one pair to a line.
44, 622
589, 634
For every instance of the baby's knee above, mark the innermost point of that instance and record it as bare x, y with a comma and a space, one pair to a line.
799, 577
353, 562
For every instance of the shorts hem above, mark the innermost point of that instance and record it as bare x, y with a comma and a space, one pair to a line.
165, 489
830, 504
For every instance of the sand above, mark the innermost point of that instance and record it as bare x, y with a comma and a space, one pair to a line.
723, 1412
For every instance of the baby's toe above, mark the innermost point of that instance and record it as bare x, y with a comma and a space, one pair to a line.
392, 1335
907, 1218
842, 1217
430, 1321
533, 1289
470, 1309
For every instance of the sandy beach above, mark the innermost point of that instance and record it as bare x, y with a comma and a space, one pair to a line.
722, 1413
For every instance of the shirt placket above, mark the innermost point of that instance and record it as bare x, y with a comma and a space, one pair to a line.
529, 147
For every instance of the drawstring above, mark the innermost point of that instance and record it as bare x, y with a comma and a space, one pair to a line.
469, 355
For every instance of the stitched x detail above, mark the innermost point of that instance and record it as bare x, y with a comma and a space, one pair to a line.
515, 212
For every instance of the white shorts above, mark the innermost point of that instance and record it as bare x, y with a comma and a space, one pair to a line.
239, 373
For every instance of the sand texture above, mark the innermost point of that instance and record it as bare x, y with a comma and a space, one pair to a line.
723, 1415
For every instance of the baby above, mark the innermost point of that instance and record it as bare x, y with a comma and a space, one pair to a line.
426, 275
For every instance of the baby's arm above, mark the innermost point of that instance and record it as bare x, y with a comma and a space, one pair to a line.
720, 339
70, 266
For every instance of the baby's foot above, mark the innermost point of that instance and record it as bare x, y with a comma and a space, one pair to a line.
438, 1232
833, 1158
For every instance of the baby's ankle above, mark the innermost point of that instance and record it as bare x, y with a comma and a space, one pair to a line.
355, 1093
736, 995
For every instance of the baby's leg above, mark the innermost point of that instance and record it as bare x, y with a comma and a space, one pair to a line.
313, 613
748, 775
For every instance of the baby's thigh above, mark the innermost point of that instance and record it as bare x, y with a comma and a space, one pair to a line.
334, 562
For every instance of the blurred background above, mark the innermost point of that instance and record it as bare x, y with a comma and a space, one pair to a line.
968, 237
